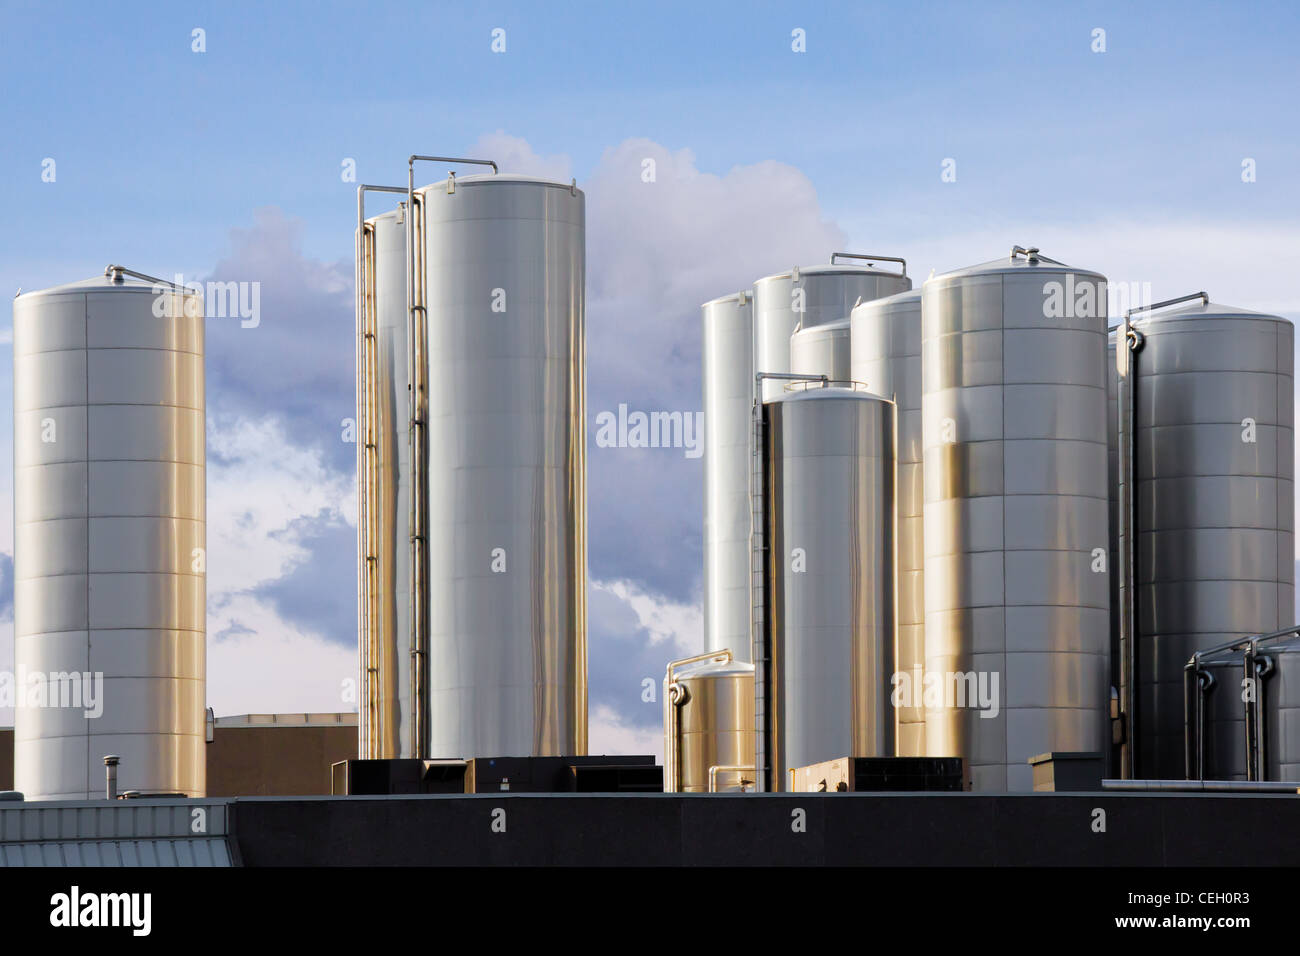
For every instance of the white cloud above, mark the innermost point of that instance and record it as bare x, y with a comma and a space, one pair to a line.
1242, 264
662, 619
609, 733
259, 484
514, 155
266, 664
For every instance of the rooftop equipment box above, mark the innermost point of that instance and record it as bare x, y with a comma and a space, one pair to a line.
879, 774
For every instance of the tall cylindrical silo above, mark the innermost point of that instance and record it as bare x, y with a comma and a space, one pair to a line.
502, 277
109, 529
886, 357
386, 659
1015, 519
808, 297
728, 334
1209, 392
829, 462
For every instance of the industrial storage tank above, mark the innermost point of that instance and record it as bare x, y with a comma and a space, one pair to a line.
811, 296
1015, 517
109, 537
1231, 735
385, 566
497, 635
709, 725
829, 462
886, 356
728, 333
1209, 392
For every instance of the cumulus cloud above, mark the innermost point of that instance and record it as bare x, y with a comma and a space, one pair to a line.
261, 662
656, 251
609, 733
298, 363
281, 592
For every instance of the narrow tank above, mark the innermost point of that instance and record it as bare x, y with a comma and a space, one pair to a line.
503, 263
728, 332
809, 297
886, 357
709, 725
385, 647
829, 462
1218, 746
1015, 516
109, 534
1213, 429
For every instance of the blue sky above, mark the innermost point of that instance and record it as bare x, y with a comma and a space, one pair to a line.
228, 163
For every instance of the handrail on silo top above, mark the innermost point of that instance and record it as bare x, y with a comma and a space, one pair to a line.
856, 255
1205, 300
115, 274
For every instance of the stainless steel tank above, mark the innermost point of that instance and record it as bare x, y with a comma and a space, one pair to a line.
813, 296
709, 725
385, 568
728, 333
1213, 429
109, 535
502, 276
1015, 518
822, 350
829, 461
886, 357
1242, 710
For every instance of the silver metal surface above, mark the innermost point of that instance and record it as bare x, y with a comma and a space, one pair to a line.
829, 455
728, 335
886, 357
109, 527
1213, 557
807, 297
1015, 515
503, 280
709, 725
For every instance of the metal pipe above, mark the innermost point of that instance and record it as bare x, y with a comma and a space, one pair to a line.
857, 255
417, 440
1194, 723
726, 768
1208, 786
675, 696
110, 774
367, 453
1128, 344
115, 273
1205, 300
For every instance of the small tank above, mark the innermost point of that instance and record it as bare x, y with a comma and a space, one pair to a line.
709, 725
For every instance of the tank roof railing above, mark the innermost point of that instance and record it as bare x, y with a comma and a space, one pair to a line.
1205, 300
870, 259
